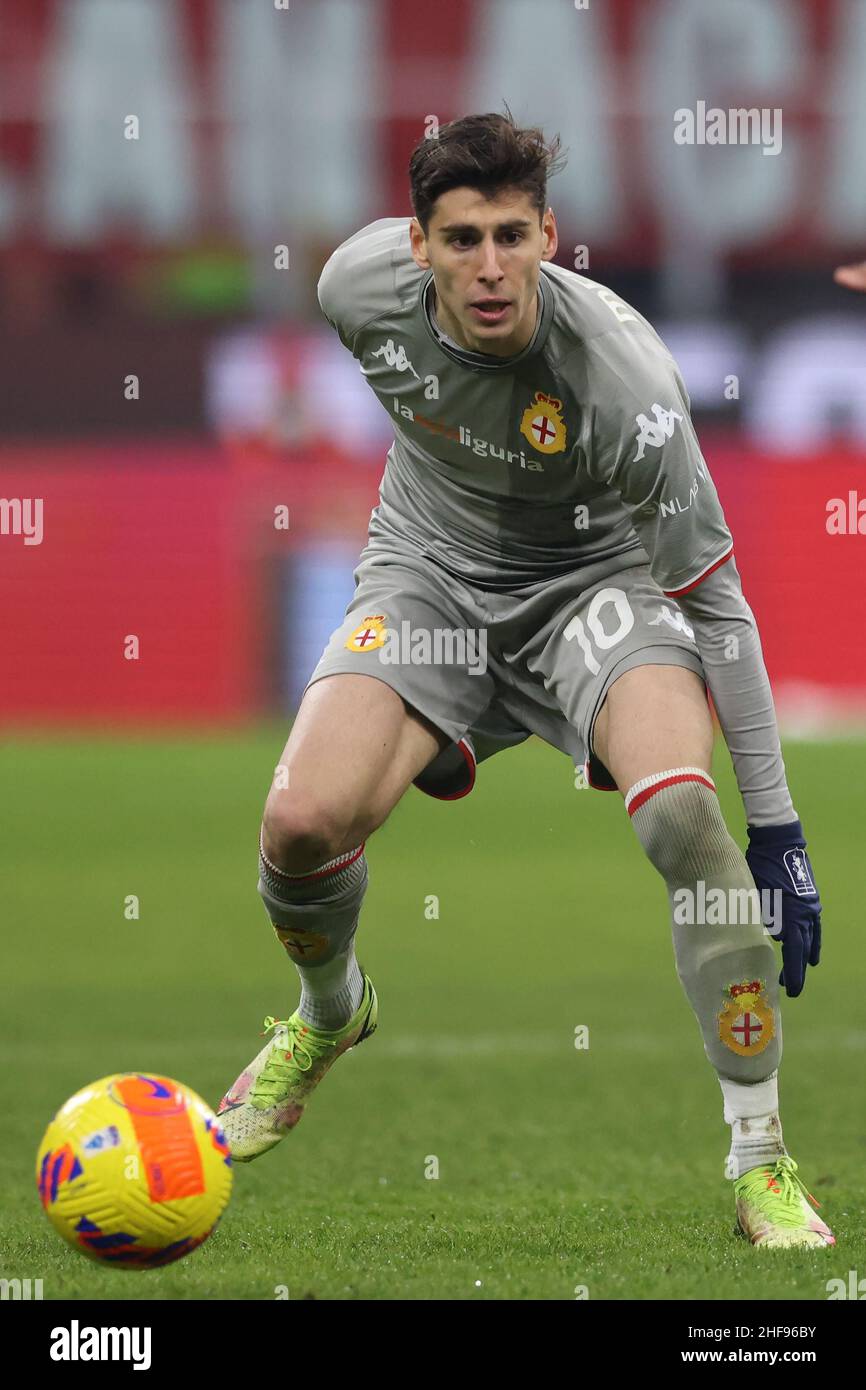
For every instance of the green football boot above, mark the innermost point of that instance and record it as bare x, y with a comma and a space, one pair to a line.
772, 1209
269, 1096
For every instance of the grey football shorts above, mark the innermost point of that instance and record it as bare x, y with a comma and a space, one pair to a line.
499, 667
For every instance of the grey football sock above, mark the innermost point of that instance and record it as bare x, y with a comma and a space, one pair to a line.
724, 957
315, 916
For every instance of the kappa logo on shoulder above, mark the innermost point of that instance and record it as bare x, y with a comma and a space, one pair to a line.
655, 434
395, 357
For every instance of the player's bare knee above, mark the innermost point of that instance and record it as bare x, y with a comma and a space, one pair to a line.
300, 834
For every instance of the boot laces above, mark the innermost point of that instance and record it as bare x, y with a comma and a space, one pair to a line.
289, 1054
782, 1181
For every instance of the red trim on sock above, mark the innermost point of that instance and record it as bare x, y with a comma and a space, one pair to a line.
642, 797
321, 873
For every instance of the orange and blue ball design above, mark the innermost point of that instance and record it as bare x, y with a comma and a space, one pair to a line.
134, 1170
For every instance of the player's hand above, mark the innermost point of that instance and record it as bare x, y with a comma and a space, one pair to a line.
778, 860
854, 276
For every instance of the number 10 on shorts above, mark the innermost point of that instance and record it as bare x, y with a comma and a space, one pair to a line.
603, 640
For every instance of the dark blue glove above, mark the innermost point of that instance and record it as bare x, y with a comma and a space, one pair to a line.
778, 860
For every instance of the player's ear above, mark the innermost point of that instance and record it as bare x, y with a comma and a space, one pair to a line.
418, 244
551, 235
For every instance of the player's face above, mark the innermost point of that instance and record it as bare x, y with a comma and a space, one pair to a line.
485, 258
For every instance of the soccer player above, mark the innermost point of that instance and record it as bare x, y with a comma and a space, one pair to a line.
548, 556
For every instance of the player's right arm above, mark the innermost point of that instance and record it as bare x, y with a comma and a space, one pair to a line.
359, 282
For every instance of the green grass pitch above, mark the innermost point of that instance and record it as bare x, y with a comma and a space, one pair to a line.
558, 1168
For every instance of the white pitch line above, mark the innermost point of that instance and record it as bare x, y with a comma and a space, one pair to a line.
415, 1046
550, 1045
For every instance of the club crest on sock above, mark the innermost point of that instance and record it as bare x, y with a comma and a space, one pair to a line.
302, 945
746, 1023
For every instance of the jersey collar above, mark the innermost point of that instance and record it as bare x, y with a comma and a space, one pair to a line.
484, 361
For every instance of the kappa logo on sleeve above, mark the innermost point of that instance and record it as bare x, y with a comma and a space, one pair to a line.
655, 435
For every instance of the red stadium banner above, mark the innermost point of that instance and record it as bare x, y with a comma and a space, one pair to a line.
207, 80
135, 577
171, 546
800, 542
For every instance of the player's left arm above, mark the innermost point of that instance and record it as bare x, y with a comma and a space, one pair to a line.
726, 636
652, 457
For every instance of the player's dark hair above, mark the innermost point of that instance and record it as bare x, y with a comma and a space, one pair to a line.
486, 152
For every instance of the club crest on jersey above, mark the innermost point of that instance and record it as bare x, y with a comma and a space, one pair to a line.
369, 635
655, 434
746, 1022
542, 424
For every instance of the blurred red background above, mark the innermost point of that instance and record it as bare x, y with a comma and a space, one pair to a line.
166, 387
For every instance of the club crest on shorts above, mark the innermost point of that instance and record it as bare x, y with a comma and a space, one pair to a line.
746, 1022
369, 635
542, 424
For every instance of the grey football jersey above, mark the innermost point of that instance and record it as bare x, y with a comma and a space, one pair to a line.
509, 471
577, 451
